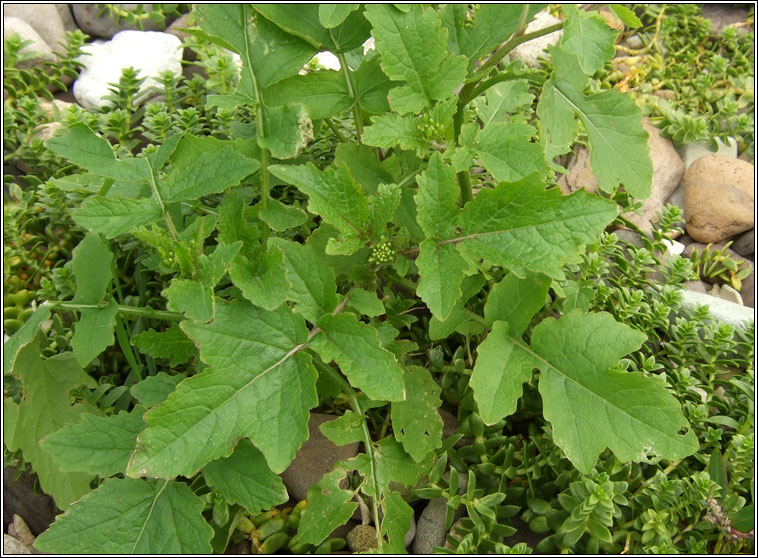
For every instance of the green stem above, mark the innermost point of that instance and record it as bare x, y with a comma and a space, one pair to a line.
260, 130
156, 193
483, 86
368, 444
148, 313
335, 130
465, 185
465, 95
356, 109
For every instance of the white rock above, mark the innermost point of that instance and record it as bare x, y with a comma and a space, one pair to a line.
27, 33
326, 60
12, 545
729, 293
720, 309
674, 249
44, 18
691, 152
634, 42
530, 51
148, 52
368, 45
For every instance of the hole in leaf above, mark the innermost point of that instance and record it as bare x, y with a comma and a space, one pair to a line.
683, 431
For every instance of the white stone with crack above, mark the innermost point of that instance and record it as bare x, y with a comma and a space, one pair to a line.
150, 53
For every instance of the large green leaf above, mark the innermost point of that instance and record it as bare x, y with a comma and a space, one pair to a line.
365, 167
522, 226
154, 390
329, 506
501, 99
23, 337
171, 344
286, 130
312, 285
507, 152
323, 93
500, 370
591, 408
587, 35
82, 147
331, 15
114, 216
516, 300
131, 516
96, 445
372, 87
280, 217
210, 173
45, 408
355, 347
244, 478
415, 421
390, 130
94, 332
619, 152
413, 46
396, 522
304, 21
440, 265
489, 25
267, 51
335, 196
258, 386
92, 260
263, 283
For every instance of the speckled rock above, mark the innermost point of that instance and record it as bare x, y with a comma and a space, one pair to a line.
27, 33
744, 245
727, 293
44, 18
20, 530
696, 286
11, 545
88, 18
55, 109
430, 527
531, 51
315, 457
362, 538
150, 53
748, 290
719, 198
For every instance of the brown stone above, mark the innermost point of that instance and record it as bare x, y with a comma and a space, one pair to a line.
316, 457
719, 198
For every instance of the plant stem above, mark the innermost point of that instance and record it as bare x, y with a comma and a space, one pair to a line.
148, 313
465, 185
156, 193
368, 444
335, 130
356, 109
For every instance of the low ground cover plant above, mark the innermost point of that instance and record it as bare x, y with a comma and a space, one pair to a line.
381, 241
